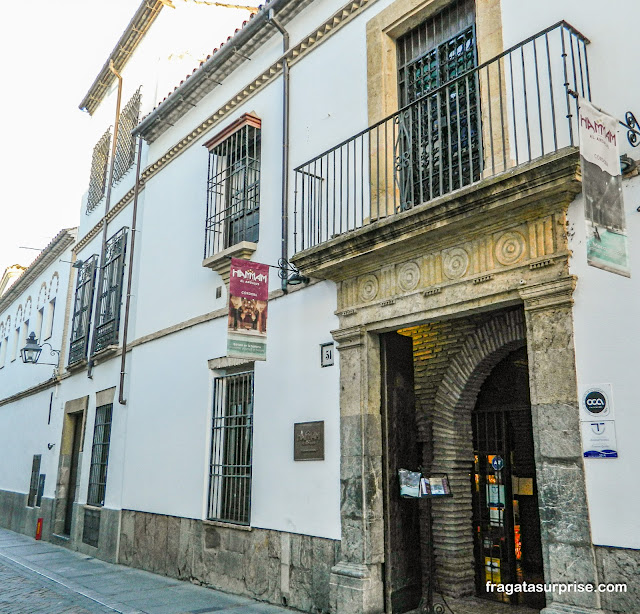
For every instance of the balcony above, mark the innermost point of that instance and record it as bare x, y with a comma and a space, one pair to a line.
480, 130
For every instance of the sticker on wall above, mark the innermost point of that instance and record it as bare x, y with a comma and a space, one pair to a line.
596, 403
599, 439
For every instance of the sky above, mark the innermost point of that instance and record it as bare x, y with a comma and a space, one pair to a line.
50, 53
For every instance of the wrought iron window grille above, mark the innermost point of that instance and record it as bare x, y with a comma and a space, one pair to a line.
110, 284
527, 113
233, 186
438, 143
126, 143
98, 176
82, 308
231, 449
100, 455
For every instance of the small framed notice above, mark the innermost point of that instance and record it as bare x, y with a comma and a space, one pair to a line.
308, 441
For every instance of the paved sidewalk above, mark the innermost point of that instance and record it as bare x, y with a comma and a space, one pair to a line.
37, 577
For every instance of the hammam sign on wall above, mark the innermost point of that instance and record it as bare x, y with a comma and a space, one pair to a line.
248, 296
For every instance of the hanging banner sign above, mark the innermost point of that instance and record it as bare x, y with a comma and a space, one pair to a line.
602, 190
248, 296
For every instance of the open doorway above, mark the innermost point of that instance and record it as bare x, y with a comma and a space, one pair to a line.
455, 400
506, 523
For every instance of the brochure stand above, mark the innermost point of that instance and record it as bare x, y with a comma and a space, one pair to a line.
413, 485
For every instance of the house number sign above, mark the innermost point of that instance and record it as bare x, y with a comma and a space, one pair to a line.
308, 441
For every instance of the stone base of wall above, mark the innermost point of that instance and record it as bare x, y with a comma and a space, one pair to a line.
16, 516
619, 565
276, 567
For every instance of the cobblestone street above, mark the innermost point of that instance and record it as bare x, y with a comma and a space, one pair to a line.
41, 578
26, 592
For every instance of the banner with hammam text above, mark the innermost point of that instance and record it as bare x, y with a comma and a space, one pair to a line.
602, 190
248, 296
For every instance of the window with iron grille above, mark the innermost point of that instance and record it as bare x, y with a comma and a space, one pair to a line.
231, 449
439, 133
91, 527
126, 144
35, 480
233, 186
98, 177
82, 305
100, 455
110, 292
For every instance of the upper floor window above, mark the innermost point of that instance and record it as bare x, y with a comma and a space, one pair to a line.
16, 343
233, 186
98, 177
110, 292
48, 323
82, 304
439, 128
126, 144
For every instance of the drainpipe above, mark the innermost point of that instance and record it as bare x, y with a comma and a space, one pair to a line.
136, 191
107, 201
285, 148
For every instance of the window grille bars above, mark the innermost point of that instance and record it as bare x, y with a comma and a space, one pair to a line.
439, 138
82, 306
524, 111
231, 449
35, 480
110, 292
100, 455
98, 176
233, 191
126, 144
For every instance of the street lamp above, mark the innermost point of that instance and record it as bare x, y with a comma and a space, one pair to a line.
30, 353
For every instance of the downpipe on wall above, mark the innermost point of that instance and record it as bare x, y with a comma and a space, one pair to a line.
136, 192
107, 202
285, 147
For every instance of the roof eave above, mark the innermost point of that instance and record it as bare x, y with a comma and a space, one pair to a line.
48, 255
218, 59
124, 48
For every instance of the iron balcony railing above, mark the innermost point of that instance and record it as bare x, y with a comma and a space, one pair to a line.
508, 111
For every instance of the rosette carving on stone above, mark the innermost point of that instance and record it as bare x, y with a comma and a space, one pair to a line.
455, 262
510, 248
408, 276
368, 288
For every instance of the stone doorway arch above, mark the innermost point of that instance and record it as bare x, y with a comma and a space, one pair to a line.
451, 450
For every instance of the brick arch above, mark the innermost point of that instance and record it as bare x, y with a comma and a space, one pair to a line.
452, 444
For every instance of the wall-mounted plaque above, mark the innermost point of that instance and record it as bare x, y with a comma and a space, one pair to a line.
326, 354
308, 441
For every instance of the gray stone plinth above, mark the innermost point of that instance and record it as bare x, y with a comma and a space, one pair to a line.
561, 608
356, 589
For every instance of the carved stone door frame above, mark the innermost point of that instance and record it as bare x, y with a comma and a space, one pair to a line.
546, 324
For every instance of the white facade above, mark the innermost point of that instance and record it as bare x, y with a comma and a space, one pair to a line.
161, 435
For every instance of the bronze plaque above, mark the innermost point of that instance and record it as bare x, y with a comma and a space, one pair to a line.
308, 441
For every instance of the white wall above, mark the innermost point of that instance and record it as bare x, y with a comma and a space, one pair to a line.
51, 284
25, 431
291, 387
606, 307
607, 331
